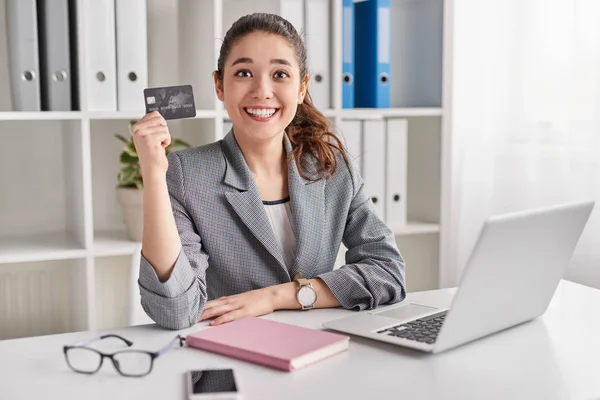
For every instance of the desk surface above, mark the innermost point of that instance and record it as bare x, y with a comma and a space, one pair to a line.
556, 356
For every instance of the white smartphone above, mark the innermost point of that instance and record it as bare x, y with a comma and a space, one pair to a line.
209, 384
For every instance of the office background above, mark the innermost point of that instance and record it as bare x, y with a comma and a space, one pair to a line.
494, 106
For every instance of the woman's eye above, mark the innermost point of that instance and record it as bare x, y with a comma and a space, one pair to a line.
281, 75
244, 73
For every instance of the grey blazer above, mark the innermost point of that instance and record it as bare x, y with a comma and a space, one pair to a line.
228, 245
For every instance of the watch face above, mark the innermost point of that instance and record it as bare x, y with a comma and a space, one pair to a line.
307, 296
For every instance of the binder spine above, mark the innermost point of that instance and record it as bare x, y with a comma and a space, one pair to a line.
348, 54
372, 42
317, 22
383, 55
101, 67
21, 21
55, 63
132, 53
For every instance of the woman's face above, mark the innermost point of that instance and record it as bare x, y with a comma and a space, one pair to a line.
261, 86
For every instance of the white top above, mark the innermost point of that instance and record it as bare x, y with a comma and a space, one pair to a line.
279, 214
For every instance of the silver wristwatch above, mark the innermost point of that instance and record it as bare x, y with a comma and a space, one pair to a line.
306, 294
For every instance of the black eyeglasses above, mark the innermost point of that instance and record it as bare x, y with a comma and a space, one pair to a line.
131, 363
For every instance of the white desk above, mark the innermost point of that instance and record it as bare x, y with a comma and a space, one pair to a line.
556, 356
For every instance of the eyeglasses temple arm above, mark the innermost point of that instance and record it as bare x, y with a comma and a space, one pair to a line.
88, 341
129, 343
169, 346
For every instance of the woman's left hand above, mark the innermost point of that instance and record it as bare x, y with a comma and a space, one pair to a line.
249, 304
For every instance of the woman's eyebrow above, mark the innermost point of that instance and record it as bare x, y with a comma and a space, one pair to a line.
281, 61
248, 60
242, 60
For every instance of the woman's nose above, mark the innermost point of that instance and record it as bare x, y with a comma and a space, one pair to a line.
262, 88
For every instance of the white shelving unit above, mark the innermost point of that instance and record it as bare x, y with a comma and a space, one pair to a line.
64, 256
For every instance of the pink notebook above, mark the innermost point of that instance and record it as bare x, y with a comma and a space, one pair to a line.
271, 343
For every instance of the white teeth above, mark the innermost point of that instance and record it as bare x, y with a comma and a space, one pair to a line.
261, 112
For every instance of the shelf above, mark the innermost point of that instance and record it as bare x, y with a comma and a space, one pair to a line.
415, 228
100, 115
46, 247
377, 113
113, 243
60, 246
78, 115
40, 115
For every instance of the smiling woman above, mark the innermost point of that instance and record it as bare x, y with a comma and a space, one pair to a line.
253, 223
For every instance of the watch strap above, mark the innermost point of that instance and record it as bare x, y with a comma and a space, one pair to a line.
301, 280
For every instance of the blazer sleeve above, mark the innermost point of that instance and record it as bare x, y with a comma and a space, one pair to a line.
374, 273
178, 302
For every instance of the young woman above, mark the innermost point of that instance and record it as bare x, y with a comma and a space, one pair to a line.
253, 223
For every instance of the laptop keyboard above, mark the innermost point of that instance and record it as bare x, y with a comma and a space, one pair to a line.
423, 330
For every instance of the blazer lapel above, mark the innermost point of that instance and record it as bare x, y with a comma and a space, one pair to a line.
246, 201
307, 202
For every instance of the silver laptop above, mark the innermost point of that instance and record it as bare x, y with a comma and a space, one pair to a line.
513, 272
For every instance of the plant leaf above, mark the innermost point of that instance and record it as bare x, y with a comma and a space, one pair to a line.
128, 185
130, 152
128, 158
139, 183
127, 175
130, 175
131, 146
122, 138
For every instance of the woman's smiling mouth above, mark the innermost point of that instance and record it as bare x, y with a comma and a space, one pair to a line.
261, 114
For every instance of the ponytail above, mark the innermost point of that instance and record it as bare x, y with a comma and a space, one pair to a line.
310, 134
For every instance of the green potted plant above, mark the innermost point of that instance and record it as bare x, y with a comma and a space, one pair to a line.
130, 184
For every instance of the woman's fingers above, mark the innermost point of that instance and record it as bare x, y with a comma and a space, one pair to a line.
150, 115
151, 136
216, 302
152, 118
163, 137
140, 127
166, 141
151, 141
212, 308
151, 130
230, 316
218, 310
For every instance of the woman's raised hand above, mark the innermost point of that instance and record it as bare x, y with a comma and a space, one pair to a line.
151, 136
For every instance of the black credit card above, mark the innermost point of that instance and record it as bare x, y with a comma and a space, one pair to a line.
172, 102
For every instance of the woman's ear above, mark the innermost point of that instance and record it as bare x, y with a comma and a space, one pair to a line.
303, 89
218, 86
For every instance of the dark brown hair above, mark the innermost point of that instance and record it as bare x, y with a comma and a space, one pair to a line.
309, 131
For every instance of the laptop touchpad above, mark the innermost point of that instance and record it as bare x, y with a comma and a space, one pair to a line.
409, 311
